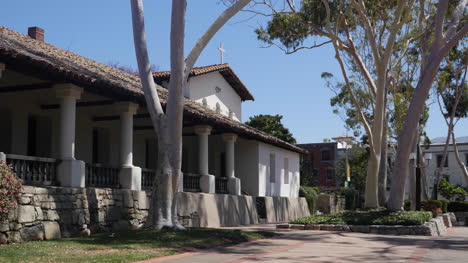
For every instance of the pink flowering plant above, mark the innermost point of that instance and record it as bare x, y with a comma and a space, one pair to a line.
10, 189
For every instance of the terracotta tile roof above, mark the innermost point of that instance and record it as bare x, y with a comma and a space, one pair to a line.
224, 69
44, 61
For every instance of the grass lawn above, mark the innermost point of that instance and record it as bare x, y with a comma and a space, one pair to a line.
370, 217
124, 246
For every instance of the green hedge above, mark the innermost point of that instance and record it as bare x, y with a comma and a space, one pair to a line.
311, 195
458, 206
371, 217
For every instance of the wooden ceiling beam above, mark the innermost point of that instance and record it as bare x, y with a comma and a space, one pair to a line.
28, 87
80, 104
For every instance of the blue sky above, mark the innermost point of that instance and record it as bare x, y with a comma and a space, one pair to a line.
289, 85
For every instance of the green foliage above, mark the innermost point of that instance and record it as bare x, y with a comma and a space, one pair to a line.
457, 206
125, 246
272, 125
311, 195
351, 197
10, 189
434, 205
358, 158
451, 192
370, 217
450, 81
407, 205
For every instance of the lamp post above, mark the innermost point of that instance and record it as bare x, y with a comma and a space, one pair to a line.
346, 142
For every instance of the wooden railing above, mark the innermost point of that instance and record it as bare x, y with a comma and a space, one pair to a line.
191, 182
147, 178
33, 170
221, 185
98, 175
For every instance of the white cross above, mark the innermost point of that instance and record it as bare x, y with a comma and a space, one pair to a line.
221, 52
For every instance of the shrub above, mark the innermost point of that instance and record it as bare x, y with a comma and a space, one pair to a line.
444, 206
351, 197
311, 195
370, 217
451, 192
432, 205
10, 189
457, 206
407, 205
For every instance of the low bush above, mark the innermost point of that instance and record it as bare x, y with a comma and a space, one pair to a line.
311, 195
457, 206
351, 198
407, 205
10, 189
371, 217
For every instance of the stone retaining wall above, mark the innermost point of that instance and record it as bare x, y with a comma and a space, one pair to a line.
435, 227
55, 212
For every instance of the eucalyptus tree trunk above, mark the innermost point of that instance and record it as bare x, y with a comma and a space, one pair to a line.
168, 125
459, 161
445, 38
383, 167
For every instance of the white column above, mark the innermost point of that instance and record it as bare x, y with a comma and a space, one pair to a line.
2, 68
234, 184
203, 132
71, 172
129, 176
207, 181
230, 139
127, 110
68, 95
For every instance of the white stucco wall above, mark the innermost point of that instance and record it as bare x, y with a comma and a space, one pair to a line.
246, 165
215, 89
453, 171
278, 188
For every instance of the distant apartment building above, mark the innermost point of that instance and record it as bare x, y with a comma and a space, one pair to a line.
320, 162
451, 169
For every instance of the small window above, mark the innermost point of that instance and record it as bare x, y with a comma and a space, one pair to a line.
466, 159
439, 161
286, 170
272, 168
326, 155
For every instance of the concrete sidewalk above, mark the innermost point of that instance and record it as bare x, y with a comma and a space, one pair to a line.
322, 246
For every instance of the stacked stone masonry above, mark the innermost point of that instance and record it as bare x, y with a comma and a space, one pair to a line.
436, 227
56, 212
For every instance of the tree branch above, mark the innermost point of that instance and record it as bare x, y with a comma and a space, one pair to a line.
210, 32
144, 66
456, 16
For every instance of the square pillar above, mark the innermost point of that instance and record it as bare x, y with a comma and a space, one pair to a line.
2, 68
129, 175
71, 172
207, 181
234, 184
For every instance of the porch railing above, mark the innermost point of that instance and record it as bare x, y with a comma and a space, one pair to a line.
147, 178
221, 185
33, 170
98, 175
191, 182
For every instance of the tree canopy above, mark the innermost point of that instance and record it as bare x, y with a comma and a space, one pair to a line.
272, 125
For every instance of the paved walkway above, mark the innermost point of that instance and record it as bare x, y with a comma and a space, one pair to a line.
324, 246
